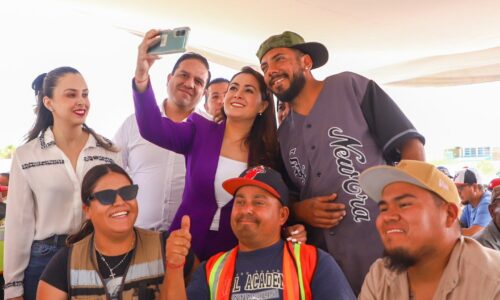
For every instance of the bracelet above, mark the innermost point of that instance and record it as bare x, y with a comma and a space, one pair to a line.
175, 266
141, 81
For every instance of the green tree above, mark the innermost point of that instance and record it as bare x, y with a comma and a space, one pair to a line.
7, 151
485, 167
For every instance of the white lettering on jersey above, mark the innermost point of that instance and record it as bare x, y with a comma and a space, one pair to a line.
345, 149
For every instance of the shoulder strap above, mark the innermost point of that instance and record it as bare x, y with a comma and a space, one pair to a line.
305, 259
219, 271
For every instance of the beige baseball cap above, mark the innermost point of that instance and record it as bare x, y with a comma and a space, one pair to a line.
419, 173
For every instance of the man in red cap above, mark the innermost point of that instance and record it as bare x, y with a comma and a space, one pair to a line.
262, 266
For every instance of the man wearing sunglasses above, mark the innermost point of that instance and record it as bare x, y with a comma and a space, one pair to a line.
475, 215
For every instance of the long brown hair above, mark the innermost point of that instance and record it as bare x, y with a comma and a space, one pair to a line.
89, 182
262, 141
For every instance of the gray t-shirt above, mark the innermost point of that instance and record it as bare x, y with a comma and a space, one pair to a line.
353, 125
489, 236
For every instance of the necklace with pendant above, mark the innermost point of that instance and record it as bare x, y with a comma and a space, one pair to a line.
111, 273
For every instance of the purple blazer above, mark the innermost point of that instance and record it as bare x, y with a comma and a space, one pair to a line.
200, 141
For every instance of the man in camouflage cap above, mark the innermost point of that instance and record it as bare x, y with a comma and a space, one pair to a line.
336, 129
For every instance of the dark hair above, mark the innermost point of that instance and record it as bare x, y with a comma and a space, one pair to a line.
262, 140
44, 85
192, 55
215, 81
89, 182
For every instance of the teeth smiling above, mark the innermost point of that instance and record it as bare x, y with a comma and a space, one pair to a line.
235, 104
394, 231
119, 214
278, 81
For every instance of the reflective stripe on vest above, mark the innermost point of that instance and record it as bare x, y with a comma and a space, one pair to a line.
145, 271
299, 265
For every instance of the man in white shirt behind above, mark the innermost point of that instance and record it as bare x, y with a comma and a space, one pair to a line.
159, 172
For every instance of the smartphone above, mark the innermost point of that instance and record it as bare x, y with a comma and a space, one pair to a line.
171, 41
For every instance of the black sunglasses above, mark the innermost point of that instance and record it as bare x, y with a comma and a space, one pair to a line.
108, 197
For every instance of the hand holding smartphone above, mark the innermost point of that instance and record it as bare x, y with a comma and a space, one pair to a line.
171, 41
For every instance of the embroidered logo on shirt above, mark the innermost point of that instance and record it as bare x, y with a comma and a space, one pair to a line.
98, 157
345, 149
299, 171
42, 163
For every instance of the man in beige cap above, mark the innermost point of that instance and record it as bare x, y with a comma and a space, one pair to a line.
425, 255
336, 128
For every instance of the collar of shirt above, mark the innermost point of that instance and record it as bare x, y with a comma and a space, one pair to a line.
47, 140
449, 279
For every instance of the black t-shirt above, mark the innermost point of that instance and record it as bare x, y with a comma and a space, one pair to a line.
56, 272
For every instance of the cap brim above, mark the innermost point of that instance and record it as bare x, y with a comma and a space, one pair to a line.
317, 51
233, 184
374, 180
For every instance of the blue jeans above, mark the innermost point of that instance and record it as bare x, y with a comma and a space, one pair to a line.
40, 256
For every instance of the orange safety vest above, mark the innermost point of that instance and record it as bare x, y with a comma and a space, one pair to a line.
299, 265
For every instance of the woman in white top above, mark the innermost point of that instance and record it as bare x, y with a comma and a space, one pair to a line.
44, 193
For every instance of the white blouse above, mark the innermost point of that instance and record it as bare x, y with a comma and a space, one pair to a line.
44, 199
226, 168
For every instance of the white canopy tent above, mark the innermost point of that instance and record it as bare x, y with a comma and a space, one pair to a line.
439, 60
422, 43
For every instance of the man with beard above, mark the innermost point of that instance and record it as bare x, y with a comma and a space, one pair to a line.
262, 266
336, 129
475, 216
425, 255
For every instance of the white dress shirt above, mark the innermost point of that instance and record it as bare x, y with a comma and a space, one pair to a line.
160, 174
44, 199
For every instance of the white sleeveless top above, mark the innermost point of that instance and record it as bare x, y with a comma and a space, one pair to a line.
227, 168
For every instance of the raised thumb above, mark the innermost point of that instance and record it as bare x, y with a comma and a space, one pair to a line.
185, 223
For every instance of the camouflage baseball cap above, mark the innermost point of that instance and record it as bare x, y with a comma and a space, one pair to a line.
288, 39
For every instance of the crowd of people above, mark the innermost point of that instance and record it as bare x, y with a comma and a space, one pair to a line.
336, 203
